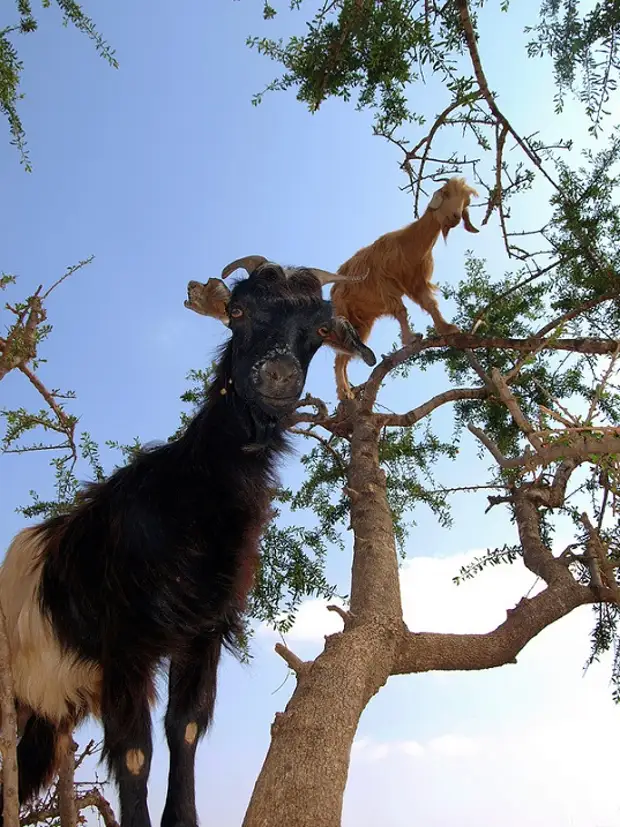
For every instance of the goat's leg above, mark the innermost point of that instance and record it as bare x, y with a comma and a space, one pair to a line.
192, 689
343, 388
428, 302
127, 743
406, 334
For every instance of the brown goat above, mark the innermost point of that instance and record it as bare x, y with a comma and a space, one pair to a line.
399, 264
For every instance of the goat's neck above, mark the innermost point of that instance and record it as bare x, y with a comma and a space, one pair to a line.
420, 237
227, 430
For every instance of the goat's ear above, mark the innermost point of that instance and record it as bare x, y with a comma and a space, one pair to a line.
343, 337
436, 200
467, 222
210, 299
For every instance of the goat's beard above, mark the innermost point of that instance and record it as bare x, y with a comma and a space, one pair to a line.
265, 430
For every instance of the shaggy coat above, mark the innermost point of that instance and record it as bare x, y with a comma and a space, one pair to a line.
399, 264
155, 564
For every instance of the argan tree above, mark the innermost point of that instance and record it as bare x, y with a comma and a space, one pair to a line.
532, 378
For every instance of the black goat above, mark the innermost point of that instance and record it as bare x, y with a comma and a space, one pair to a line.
156, 562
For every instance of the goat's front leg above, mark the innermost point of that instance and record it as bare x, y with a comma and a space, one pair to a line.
192, 690
127, 743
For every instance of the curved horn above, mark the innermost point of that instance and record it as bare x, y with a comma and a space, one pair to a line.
249, 263
467, 222
325, 277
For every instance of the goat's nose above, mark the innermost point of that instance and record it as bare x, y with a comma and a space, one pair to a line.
280, 377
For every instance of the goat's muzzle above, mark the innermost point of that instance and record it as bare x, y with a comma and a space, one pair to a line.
279, 381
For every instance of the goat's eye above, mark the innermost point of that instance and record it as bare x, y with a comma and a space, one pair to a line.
323, 332
236, 312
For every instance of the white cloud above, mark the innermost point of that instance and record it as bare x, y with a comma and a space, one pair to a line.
454, 746
412, 748
556, 774
368, 750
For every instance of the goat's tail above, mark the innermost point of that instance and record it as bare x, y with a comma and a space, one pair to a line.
38, 758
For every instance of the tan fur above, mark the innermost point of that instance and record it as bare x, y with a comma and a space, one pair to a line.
134, 760
191, 731
47, 680
399, 264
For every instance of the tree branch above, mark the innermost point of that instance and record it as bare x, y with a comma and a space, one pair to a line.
299, 666
509, 400
67, 806
342, 613
20, 346
467, 341
472, 46
416, 414
580, 448
428, 651
537, 557
92, 798
324, 442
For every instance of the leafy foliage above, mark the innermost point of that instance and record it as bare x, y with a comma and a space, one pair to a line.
585, 49
494, 557
362, 49
11, 66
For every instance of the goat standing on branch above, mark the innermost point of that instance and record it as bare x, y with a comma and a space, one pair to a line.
156, 562
399, 264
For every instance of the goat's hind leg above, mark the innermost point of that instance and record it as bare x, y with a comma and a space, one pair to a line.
343, 388
407, 336
37, 754
127, 745
428, 302
192, 689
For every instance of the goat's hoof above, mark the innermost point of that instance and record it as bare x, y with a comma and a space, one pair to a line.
449, 330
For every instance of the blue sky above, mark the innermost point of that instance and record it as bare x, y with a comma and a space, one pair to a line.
165, 172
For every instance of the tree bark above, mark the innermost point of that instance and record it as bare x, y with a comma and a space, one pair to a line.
303, 779
66, 782
8, 732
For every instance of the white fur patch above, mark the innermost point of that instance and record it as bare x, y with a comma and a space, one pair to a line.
191, 731
134, 760
45, 678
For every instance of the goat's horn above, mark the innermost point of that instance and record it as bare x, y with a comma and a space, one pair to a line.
325, 277
249, 263
467, 222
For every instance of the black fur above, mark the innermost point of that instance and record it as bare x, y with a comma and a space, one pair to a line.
35, 755
156, 562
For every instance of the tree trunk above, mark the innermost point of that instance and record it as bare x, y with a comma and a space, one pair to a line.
8, 732
303, 779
